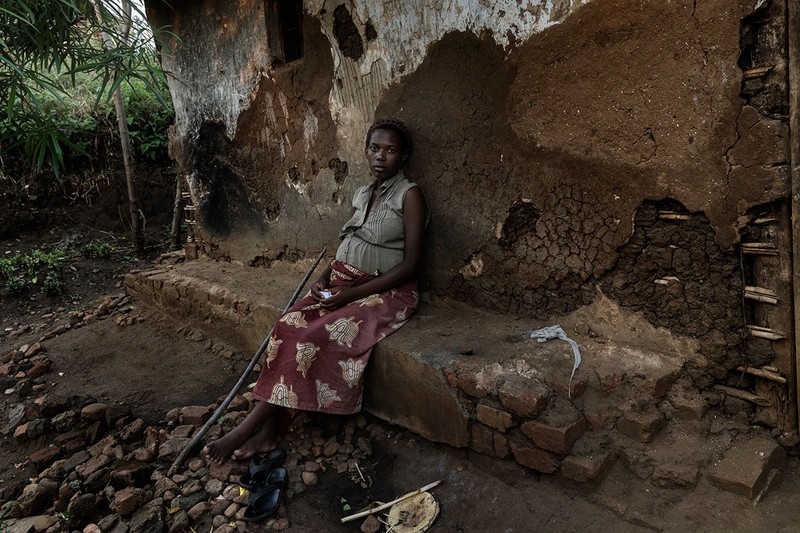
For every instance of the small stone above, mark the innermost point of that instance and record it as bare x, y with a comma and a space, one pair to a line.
45, 456
309, 479
169, 450
371, 525
180, 522
187, 502
214, 487
194, 415
364, 445
94, 412
312, 466
198, 510
65, 421
196, 464
331, 448
92, 528
81, 508
92, 465
128, 500
182, 432
44, 522
231, 510
191, 487
107, 522
132, 431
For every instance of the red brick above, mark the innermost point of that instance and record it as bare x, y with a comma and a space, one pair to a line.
45, 456
494, 418
555, 438
561, 385
478, 384
195, 415
21, 433
127, 500
745, 467
92, 465
600, 415
688, 403
33, 350
587, 468
674, 475
58, 440
535, 458
524, 397
40, 368
642, 426
482, 440
501, 446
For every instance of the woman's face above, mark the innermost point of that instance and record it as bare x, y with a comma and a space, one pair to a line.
385, 154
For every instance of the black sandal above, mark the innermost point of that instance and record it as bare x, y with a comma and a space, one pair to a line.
266, 497
260, 467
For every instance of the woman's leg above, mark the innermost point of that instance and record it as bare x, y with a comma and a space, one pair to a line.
259, 432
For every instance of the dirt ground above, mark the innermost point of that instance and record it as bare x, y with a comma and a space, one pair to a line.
153, 365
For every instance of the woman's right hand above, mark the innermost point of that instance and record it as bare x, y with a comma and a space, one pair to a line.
316, 290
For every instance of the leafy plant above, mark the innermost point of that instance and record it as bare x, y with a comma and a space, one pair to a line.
97, 250
22, 271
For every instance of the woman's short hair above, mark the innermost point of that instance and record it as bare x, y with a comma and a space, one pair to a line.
395, 125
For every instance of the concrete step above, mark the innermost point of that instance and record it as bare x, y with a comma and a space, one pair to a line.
461, 376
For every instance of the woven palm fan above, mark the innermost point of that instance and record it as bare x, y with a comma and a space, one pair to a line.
414, 514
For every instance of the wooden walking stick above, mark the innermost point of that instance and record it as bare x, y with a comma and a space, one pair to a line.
235, 390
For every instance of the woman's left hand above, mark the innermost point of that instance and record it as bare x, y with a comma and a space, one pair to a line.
340, 296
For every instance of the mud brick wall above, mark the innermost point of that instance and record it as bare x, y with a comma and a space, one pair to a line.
548, 139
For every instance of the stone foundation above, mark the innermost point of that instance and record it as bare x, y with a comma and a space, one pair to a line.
471, 379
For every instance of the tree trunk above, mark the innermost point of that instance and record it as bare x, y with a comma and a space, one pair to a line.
137, 218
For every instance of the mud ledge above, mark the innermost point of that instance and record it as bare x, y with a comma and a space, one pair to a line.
466, 378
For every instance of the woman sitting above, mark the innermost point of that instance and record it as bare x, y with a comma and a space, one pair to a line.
316, 356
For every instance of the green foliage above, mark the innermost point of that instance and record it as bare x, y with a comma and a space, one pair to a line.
97, 250
76, 132
52, 58
37, 269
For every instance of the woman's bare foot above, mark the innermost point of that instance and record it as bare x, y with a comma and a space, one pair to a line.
258, 433
261, 442
267, 437
222, 449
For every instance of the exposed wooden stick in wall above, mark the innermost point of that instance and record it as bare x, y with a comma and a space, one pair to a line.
673, 215
762, 373
766, 333
756, 72
744, 395
760, 294
759, 248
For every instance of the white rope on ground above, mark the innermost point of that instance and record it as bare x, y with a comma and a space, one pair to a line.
556, 332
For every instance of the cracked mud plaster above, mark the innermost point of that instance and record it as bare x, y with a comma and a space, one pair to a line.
671, 271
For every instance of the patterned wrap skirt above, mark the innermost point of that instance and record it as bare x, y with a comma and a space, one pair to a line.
315, 359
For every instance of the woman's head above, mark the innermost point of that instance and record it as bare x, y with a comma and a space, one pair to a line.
397, 126
387, 147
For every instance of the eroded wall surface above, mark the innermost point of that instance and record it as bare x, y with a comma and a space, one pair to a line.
564, 147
